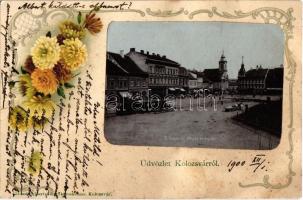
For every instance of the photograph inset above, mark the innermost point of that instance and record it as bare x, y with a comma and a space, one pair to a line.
194, 84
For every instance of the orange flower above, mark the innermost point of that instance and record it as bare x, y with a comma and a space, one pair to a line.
93, 24
44, 81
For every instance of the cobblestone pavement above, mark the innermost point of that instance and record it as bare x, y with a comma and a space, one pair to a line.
188, 126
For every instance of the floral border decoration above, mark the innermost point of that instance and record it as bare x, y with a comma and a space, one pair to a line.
269, 15
48, 69
53, 62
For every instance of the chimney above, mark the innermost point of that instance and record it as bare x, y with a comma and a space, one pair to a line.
147, 52
141, 51
158, 55
132, 49
154, 54
164, 56
122, 53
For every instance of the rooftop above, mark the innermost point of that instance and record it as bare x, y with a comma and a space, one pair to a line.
156, 58
258, 73
127, 64
113, 69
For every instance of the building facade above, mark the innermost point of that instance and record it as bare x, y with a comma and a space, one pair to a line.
260, 80
216, 78
274, 80
164, 75
124, 75
200, 80
183, 79
232, 86
192, 81
116, 78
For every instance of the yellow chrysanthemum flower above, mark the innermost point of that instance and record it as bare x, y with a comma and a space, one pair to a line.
18, 119
73, 53
44, 81
71, 30
25, 86
45, 53
39, 107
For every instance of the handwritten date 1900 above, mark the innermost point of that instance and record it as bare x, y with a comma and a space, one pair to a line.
258, 162
233, 164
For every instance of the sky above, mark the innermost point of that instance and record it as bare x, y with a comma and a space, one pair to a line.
199, 45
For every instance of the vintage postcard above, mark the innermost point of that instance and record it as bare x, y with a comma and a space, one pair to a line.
150, 99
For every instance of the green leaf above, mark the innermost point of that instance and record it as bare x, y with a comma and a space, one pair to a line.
48, 34
79, 18
60, 91
68, 85
23, 71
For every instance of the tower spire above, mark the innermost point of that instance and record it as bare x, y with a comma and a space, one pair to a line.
242, 71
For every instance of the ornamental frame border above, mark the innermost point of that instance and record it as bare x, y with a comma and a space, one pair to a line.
282, 18
270, 15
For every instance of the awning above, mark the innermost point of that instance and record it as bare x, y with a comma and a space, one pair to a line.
125, 94
171, 89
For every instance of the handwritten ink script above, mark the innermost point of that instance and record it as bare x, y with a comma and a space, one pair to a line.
66, 153
55, 160
76, 5
9, 55
258, 162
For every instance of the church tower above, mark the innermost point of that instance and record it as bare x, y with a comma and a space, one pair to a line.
242, 71
223, 63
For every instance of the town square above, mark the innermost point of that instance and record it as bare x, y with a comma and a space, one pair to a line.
154, 100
